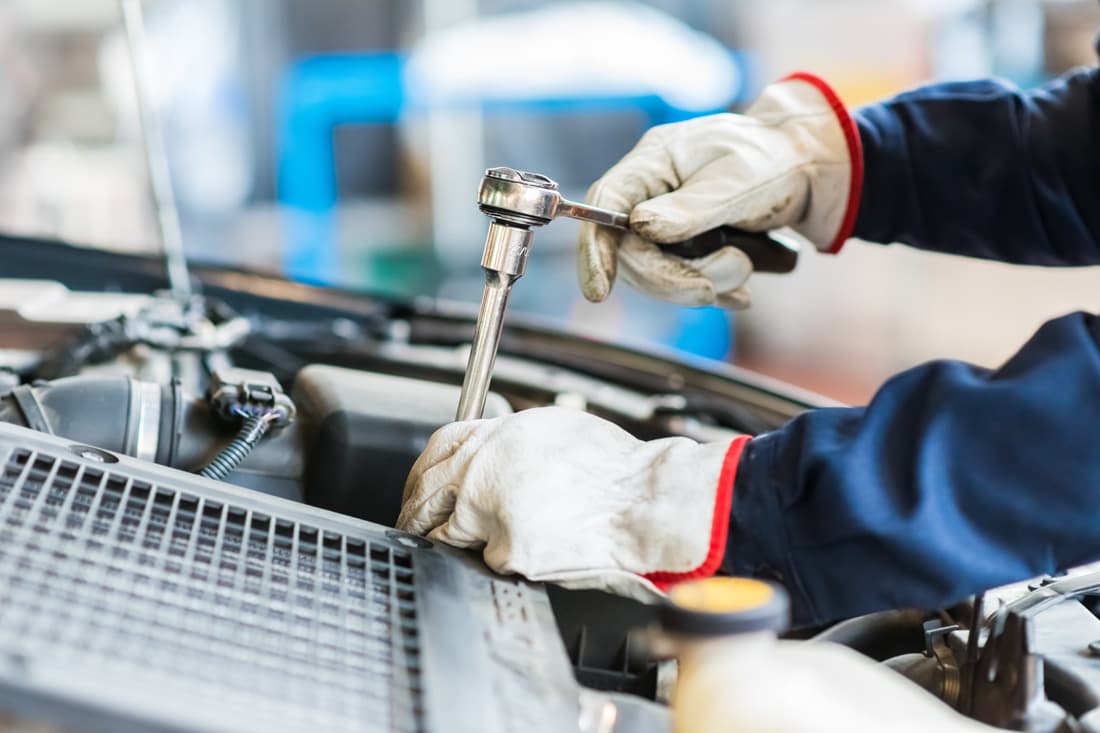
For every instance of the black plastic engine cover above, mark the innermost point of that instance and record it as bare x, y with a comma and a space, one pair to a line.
366, 432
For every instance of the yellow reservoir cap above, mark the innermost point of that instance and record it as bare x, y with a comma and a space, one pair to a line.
722, 606
722, 595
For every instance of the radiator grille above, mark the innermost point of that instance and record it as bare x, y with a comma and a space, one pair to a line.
280, 625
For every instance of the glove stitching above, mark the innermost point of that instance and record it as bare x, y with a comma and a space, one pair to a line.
481, 436
413, 512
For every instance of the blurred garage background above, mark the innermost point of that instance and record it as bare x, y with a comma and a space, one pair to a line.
341, 141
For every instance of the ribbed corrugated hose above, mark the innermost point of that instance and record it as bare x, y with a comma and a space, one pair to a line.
252, 430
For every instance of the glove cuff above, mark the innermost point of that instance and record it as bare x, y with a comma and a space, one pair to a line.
719, 525
830, 231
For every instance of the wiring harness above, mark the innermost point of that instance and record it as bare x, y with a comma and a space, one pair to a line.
253, 399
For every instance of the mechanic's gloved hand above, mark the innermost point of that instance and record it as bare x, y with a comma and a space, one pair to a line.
793, 159
560, 495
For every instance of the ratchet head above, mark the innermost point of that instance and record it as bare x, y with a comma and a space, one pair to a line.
521, 200
518, 198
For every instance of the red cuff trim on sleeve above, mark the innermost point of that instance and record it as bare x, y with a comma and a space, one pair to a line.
855, 153
719, 523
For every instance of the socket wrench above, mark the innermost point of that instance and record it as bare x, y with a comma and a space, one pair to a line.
517, 201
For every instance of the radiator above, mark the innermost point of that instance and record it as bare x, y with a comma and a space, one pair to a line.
137, 597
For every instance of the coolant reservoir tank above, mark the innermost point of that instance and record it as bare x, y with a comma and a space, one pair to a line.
736, 676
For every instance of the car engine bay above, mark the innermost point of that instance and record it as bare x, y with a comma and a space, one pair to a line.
325, 399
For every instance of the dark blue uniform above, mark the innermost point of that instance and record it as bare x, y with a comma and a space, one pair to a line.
954, 478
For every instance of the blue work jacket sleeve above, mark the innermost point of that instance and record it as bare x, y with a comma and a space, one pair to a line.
983, 169
954, 479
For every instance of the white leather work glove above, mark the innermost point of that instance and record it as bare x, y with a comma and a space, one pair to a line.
559, 495
793, 159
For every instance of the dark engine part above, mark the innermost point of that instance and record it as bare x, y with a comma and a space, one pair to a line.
605, 636
201, 325
1034, 671
154, 423
1037, 671
362, 424
882, 635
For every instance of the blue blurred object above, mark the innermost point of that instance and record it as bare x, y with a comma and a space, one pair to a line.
321, 92
704, 332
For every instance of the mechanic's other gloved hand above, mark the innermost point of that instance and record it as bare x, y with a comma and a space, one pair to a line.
793, 159
559, 495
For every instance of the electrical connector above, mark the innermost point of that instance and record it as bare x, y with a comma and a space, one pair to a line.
236, 394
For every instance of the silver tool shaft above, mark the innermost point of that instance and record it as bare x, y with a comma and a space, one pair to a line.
594, 214
156, 158
483, 350
504, 261
516, 202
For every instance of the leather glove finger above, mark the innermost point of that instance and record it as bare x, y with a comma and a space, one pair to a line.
453, 533
434, 479
695, 282
643, 173
722, 193
667, 278
597, 265
727, 268
443, 444
738, 299
646, 171
698, 206
424, 514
